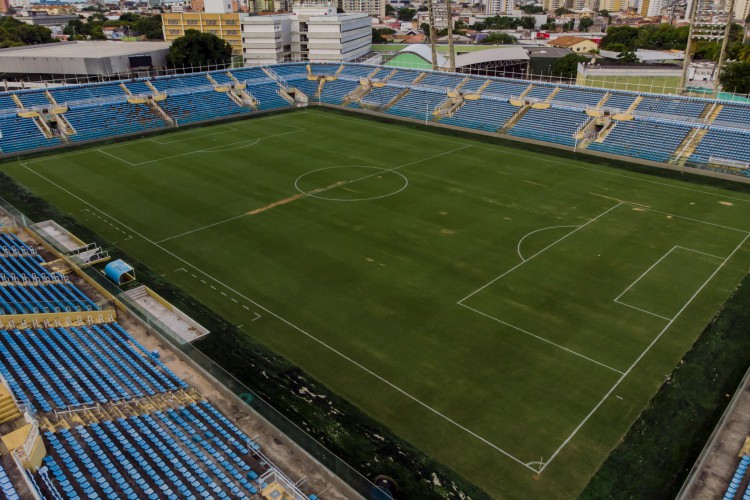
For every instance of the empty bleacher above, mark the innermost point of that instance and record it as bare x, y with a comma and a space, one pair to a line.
381, 96
87, 92
723, 144
335, 91
121, 118
191, 98
620, 101
22, 134
33, 98
417, 104
444, 81
648, 140
6, 487
674, 107
577, 96
550, 125
505, 88
734, 114
484, 114
200, 106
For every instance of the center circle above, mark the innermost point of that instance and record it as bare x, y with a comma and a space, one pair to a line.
351, 183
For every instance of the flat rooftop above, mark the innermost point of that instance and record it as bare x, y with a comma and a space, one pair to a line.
83, 50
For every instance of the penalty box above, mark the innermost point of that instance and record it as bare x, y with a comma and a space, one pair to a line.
603, 290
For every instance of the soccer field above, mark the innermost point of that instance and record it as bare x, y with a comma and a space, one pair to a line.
508, 312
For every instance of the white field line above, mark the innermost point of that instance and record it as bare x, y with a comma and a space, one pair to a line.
619, 297
518, 247
644, 273
508, 151
379, 172
116, 157
191, 134
645, 351
702, 253
578, 228
130, 142
538, 337
297, 328
642, 310
245, 143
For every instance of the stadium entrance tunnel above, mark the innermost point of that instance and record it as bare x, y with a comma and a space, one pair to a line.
351, 183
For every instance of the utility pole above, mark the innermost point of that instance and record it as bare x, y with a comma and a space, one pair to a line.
431, 18
451, 53
723, 53
689, 48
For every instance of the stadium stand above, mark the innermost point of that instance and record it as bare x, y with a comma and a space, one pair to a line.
6, 486
646, 126
734, 484
655, 141
486, 114
73, 380
122, 118
550, 125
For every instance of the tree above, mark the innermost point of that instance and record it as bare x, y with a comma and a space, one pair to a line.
377, 34
562, 10
14, 33
744, 54
150, 27
621, 35
735, 77
585, 24
499, 39
199, 49
604, 13
627, 57
567, 66
406, 14
532, 9
389, 10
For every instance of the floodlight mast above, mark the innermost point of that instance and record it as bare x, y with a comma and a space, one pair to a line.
431, 19
451, 53
723, 53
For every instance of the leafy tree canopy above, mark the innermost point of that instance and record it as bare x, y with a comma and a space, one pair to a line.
406, 14
14, 33
199, 49
567, 66
499, 39
735, 77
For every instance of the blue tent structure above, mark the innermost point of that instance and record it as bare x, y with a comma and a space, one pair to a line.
119, 272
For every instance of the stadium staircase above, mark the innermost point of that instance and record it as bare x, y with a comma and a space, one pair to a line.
419, 78
515, 118
449, 107
688, 146
398, 97
8, 408
604, 132
712, 112
18, 102
603, 100
634, 106
154, 105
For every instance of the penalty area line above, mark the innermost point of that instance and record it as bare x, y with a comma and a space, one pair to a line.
640, 357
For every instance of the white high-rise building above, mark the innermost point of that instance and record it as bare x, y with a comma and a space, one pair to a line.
375, 8
500, 7
311, 33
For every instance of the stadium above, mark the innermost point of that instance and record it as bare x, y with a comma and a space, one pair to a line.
501, 273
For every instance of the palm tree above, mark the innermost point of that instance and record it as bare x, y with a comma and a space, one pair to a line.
744, 54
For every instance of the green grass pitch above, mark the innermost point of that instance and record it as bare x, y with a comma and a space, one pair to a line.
508, 312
